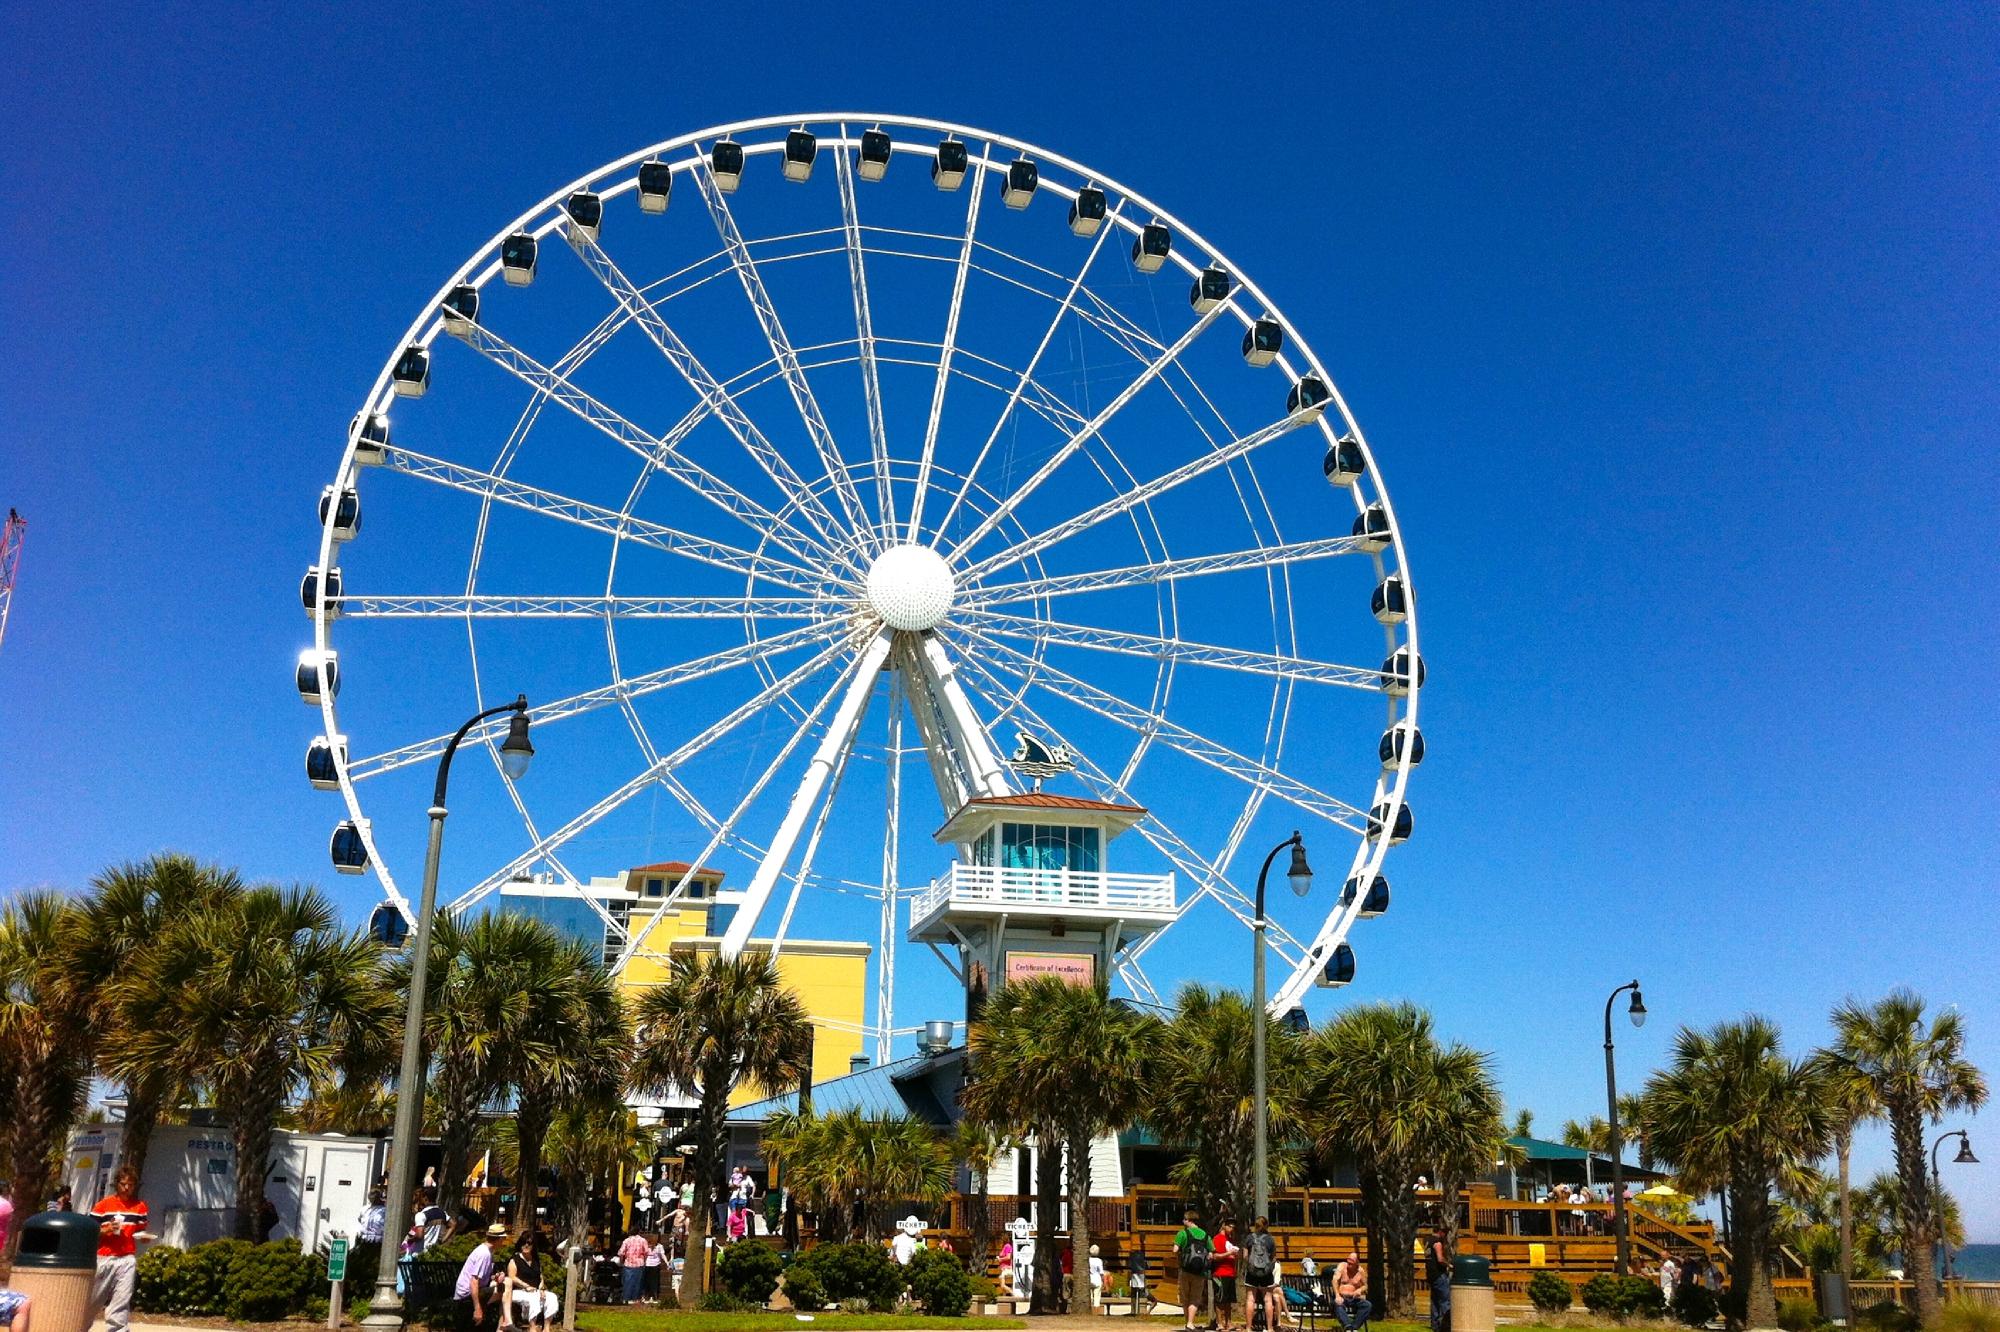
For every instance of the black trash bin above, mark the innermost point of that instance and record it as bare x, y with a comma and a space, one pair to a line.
56, 1268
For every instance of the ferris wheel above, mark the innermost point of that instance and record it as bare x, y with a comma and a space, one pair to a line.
777, 458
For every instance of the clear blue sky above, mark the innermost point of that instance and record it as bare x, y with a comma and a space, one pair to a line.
1675, 331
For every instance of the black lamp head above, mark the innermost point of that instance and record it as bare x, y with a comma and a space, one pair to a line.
1638, 1008
516, 752
1300, 874
1965, 1156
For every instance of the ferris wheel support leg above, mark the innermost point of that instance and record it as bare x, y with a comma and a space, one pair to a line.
988, 776
839, 735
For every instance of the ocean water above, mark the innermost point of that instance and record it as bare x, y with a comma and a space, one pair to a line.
1977, 1262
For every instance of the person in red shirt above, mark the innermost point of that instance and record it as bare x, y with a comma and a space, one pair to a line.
1222, 1266
123, 1225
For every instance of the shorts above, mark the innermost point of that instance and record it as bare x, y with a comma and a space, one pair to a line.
1194, 1288
1225, 1290
11, 1303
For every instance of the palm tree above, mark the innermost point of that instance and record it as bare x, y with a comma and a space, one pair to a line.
266, 997
592, 1141
46, 1039
1073, 1059
580, 1043
1591, 1135
493, 981
978, 1145
1202, 1094
1732, 1112
1919, 1073
133, 906
1466, 1133
1857, 1104
1384, 1090
1523, 1125
883, 1162
713, 1025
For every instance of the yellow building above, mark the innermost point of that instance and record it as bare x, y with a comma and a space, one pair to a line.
830, 977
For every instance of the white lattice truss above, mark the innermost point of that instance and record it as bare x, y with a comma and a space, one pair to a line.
798, 527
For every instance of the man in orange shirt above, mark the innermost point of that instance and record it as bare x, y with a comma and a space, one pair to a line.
123, 1224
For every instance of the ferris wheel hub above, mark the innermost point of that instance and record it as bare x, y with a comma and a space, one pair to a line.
910, 587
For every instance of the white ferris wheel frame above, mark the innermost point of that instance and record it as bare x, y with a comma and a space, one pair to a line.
962, 756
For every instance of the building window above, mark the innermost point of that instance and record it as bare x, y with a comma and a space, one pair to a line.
697, 888
1045, 846
656, 887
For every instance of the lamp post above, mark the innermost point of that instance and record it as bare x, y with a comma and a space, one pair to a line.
385, 1307
1964, 1157
1638, 1012
1300, 875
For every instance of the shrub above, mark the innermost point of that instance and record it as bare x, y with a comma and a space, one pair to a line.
1694, 1304
1888, 1316
749, 1271
227, 1279
1798, 1315
1967, 1316
1549, 1292
200, 1282
721, 1301
939, 1281
266, 1282
1622, 1297
804, 1288
856, 1272
1600, 1294
983, 1289
855, 1306
155, 1277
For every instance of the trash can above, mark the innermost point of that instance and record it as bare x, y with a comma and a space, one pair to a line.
56, 1268
1471, 1294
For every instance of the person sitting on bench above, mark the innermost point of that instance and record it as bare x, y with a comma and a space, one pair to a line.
1350, 1291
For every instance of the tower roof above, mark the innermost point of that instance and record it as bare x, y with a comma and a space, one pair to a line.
984, 810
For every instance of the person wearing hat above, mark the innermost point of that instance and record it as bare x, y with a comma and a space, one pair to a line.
909, 1238
474, 1293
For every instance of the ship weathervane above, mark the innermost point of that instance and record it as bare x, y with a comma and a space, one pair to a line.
1034, 759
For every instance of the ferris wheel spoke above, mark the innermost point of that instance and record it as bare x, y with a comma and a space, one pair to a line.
607, 695
864, 324
660, 452
1208, 878
490, 606
719, 402
1140, 494
1257, 775
860, 685
1152, 371
885, 968
621, 526
1162, 571
649, 776
1181, 651
781, 346
944, 357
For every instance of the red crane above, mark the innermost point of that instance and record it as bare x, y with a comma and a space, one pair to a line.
11, 538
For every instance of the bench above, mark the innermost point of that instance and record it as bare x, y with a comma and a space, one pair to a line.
427, 1284
1307, 1299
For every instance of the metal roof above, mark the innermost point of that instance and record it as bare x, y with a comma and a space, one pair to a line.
872, 1091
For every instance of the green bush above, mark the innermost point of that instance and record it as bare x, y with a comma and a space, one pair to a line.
1888, 1316
1798, 1315
940, 1283
749, 1270
1622, 1297
267, 1282
855, 1272
1549, 1292
155, 1277
804, 1288
227, 1279
1967, 1316
1694, 1304
721, 1301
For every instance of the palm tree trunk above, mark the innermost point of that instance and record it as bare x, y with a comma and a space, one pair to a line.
254, 1115
1078, 1151
1449, 1187
145, 1097
978, 1218
708, 1181
455, 1148
1399, 1238
1048, 1202
1371, 1224
43, 1112
1843, 1151
1753, 1238
531, 1129
1906, 1129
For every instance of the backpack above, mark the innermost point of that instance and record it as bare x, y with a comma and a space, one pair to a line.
1194, 1257
1261, 1260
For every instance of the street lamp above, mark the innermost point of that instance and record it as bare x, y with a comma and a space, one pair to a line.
1637, 1011
1301, 877
385, 1308
1964, 1157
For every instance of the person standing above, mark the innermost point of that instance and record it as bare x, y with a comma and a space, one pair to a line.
1096, 1279
6, 1215
1222, 1266
1350, 1291
1191, 1248
473, 1293
1670, 1275
374, 1218
656, 1262
1437, 1270
430, 1225
1260, 1275
632, 1265
122, 1226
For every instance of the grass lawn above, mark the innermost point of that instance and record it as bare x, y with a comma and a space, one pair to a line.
672, 1320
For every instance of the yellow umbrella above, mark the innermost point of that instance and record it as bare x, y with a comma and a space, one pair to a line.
1663, 1192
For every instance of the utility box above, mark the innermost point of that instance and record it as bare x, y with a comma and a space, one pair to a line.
56, 1268
1471, 1294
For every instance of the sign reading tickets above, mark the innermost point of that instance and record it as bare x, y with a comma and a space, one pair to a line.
1075, 968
